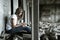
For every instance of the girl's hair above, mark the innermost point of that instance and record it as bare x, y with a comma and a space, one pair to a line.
18, 10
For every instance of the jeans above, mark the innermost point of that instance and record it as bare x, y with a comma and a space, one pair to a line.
19, 29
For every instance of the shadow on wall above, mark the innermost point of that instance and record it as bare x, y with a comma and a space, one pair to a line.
5, 22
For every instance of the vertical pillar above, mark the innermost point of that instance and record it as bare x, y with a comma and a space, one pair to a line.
20, 3
28, 20
25, 9
32, 22
15, 5
11, 7
35, 19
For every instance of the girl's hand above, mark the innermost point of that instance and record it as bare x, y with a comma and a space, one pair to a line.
24, 24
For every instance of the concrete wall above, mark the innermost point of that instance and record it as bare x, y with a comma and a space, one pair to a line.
49, 1
52, 14
4, 11
15, 5
1, 16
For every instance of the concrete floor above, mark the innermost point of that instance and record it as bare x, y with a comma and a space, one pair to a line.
1, 39
25, 36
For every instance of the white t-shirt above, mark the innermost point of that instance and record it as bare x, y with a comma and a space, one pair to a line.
16, 21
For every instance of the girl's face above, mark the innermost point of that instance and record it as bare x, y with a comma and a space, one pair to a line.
20, 14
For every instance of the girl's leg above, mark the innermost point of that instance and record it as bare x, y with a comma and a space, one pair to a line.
27, 29
17, 29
